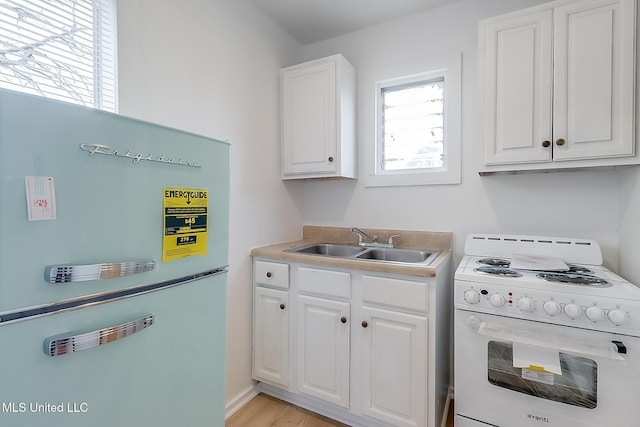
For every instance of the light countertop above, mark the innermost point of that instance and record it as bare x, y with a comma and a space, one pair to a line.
421, 240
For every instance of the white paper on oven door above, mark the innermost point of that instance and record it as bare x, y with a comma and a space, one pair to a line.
41, 198
536, 358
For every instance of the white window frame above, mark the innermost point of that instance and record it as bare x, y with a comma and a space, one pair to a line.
447, 67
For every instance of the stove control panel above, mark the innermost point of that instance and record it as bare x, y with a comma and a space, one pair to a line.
605, 314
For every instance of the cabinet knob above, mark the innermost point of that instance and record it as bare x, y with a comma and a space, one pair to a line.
330, 159
560, 142
343, 319
364, 324
282, 306
269, 274
546, 144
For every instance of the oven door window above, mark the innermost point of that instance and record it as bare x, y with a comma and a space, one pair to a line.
578, 384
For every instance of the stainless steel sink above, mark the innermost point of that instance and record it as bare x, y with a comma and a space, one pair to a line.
409, 256
329, 249
398, 255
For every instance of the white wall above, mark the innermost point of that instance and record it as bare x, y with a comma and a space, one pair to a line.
212, 67
630, 207
630, 226
565, 204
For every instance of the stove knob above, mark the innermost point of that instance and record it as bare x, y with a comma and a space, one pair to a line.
472, 297
618, 317
525, 304
552, 308
595, 314
497, 300
572, 310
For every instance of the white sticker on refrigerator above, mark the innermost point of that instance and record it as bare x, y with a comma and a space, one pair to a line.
41, 198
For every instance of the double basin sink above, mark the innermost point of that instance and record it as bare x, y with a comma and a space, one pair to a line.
397, 255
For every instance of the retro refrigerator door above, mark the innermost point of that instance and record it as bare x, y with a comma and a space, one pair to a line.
168, 371
109, 205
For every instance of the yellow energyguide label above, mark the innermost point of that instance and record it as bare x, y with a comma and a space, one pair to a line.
185, 222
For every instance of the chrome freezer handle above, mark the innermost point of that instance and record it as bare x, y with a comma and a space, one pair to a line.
60, 345
109, 270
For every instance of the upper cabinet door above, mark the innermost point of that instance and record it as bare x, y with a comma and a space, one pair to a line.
309, 119
318, 119
594, 79
518, 88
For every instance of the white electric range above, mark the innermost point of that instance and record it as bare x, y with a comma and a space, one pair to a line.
544, 335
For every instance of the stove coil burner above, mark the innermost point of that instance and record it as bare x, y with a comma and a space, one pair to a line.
498, 271
495, 262
575, 279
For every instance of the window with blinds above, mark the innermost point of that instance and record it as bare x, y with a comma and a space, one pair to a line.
412, 126
63, 49
413, 135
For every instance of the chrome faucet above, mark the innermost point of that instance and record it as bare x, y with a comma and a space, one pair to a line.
374, 239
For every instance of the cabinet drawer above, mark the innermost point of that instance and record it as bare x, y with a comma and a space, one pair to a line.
399, 293
324, 282
274, 274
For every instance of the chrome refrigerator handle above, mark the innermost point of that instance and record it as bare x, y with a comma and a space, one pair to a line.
81, 273
60, 345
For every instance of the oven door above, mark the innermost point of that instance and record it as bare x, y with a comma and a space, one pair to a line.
595, 385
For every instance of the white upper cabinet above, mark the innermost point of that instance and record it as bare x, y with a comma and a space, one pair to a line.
558, 84
318, 119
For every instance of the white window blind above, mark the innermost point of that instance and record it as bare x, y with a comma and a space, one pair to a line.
413, 125
62, 49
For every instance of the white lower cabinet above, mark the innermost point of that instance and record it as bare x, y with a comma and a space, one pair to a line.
394, 369
365, 348
271, 336
271, 320
323, 349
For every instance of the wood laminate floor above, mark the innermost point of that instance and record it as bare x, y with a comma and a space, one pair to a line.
267, 411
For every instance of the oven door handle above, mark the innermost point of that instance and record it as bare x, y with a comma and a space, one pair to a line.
610, 350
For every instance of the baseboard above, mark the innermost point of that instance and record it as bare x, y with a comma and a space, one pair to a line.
239, 401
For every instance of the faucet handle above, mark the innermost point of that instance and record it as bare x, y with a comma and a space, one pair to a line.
391, 239
356, 231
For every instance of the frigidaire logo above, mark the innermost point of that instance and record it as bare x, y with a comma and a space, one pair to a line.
137, 157
538, 418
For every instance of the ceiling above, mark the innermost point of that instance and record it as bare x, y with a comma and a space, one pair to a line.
310, 21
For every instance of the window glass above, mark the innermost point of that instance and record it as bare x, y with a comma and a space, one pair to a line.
412, 126
63, 49
577, 386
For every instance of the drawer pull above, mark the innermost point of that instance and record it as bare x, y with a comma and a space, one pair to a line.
364, 324
61, 345
269, 274
343, 319
282, 306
